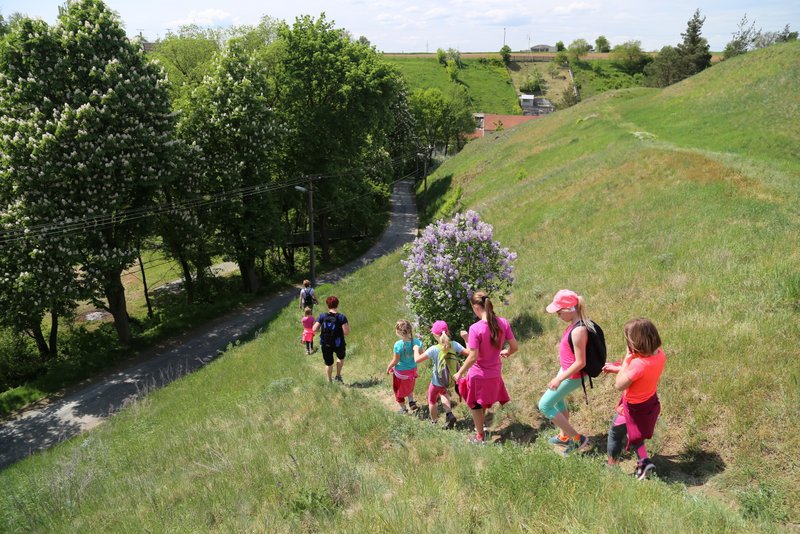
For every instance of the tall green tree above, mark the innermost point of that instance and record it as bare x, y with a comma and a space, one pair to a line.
37, 265
505, 54
695, 49
630, 57
336, 99
105, 129
577, 49
186, 56
230, 118
601, 44
560, 46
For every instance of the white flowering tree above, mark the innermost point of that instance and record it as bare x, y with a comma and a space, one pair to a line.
448, 263
87, 123
231, 123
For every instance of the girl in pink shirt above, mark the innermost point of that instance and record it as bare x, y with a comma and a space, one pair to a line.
480, 380
308, 329
638, 409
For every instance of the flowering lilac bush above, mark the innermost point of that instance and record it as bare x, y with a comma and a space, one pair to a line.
449, 262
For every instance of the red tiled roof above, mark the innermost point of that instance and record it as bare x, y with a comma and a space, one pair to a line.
491, 122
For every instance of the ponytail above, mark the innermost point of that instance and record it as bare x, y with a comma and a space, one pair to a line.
444, 341
482, 299
582, 315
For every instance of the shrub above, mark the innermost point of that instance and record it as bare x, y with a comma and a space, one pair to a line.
449, 262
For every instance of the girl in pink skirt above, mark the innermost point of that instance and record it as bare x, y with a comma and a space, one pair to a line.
403, 368
480, 379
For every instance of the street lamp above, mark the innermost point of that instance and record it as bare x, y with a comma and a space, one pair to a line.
310, 191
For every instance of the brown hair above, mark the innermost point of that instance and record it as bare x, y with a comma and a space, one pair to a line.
481, 299
642, 336
332, 302
307, 311
403, 328
306, 283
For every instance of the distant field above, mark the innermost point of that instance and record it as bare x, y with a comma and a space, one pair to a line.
489, 86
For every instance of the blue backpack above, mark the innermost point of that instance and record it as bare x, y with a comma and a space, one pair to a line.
328, 330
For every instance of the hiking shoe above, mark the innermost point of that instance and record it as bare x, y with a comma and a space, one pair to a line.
645, 469
449, 421
434, 422
413, 406
339, 379
475, 440
576, 445
402, 410
559, 441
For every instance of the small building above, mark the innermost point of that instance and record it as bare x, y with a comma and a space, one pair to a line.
490, 122
535, 105
543, 48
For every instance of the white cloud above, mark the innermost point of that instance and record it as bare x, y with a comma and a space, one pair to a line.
573, 7
206, 17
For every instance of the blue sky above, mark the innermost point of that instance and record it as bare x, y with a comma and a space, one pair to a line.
468, 25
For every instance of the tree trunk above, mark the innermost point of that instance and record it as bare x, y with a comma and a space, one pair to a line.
53, 333
144, 285
247, 268
41, 344
188, 281
115, 294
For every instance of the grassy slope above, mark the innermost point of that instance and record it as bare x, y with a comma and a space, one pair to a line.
701, 239
680, 205
489, 86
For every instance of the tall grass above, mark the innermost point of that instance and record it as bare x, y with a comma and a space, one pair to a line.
668, 225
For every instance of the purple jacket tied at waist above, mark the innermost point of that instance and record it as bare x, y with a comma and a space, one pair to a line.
640, 419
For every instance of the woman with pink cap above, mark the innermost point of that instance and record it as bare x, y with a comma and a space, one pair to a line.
570, 308
445, 358
480, 379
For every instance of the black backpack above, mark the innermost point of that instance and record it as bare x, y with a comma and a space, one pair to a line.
308, 297
327, 330
595, 353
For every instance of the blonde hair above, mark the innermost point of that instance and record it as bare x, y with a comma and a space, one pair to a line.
444, 340
641, 336
307, 311
580, 308
404, 329
481, 299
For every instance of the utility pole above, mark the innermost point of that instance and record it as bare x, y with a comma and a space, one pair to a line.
310, 191
504, 36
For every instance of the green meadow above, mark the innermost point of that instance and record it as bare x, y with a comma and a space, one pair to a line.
489, 84
677, 204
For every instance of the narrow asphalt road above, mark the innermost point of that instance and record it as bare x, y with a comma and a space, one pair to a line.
61, 419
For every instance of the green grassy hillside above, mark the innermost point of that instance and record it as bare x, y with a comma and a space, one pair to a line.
489, 85
649, 202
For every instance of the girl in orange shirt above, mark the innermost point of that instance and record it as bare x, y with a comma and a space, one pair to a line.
638, 409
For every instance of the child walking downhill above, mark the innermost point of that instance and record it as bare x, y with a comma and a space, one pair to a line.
403, 368
638, 409
570, 308
444, 357
480, 378
308, 329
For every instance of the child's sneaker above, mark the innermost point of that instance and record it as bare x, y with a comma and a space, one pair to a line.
434, 422
645, 469
559, 440
413, 407
339, 379
449, 420
402, 410
476, 440
576, 445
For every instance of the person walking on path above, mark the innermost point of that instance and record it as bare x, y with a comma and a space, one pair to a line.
444, 356
333, 327
403, 368
308, 329
570, 308
638, 409
307, 296
480, 378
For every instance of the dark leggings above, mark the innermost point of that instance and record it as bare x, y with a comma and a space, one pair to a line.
309, 346
617, 436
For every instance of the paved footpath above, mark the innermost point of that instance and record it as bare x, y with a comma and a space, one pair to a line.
80, 410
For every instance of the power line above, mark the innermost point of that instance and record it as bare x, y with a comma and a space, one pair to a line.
103, 221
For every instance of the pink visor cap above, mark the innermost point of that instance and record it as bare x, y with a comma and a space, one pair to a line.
563, 299
439, 327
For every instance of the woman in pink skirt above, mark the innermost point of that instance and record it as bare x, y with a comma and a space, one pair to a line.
480, 379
